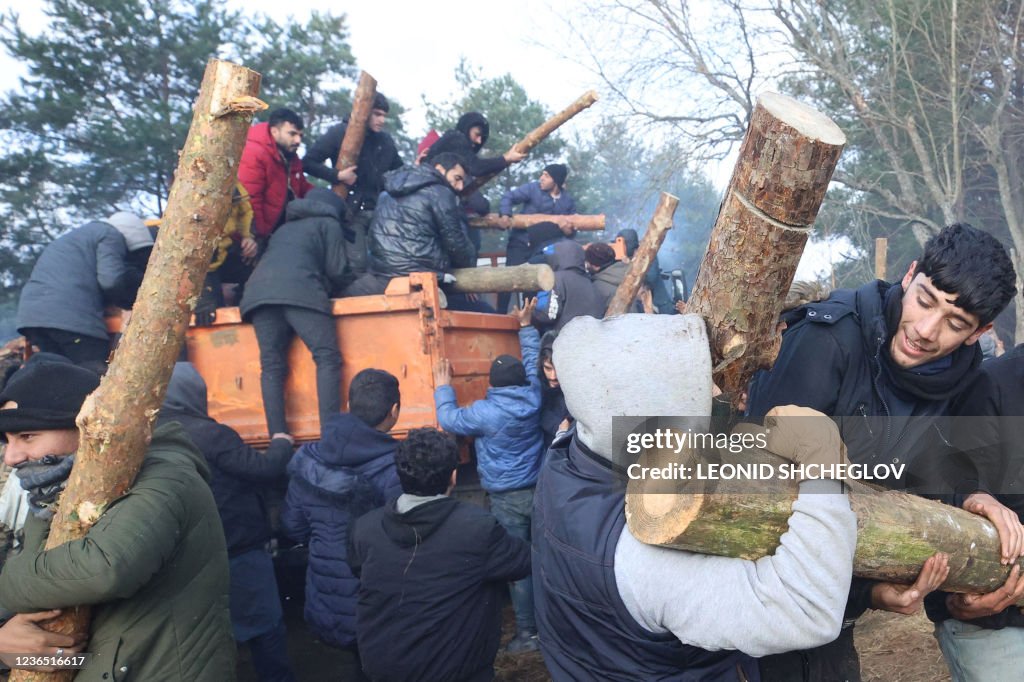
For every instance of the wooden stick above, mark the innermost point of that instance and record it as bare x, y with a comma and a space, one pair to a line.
116, 420
524, 220
511, 278
783, 170
881, 257
645, 254
538, 135
355, 132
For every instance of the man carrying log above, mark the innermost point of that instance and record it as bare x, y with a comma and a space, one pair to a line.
366, 179
611, 607
888, 359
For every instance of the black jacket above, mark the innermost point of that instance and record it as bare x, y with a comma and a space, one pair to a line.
418, 225
305, 260
573, 295
241, 475
457, 142
378, 156
432, 582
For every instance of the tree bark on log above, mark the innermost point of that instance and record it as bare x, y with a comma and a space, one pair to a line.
355, 132
538, 135
115, 421
645, 254
783, 170
896, 532
511, 278
583, 223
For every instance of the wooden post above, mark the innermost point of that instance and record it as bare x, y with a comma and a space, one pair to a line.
538, 134
645, 254
116, 420
579, 222
512, 278
355, 131
784, 167
881, 257
896, 532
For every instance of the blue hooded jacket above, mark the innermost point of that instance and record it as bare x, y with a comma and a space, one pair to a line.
509, 440
349, 472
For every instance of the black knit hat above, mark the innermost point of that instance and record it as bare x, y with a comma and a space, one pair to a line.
381, 102
47, 396
558, 172
508, 370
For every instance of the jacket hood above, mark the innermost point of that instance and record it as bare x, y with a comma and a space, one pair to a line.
410, 179
318, 203
468, 121
260, 134
566, 255
417, 524
171, 443
186, 392
347, 452
613, 273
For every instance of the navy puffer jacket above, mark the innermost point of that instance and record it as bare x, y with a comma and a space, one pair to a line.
349, 472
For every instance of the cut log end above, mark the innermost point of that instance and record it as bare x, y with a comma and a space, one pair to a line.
657, 518
806, 120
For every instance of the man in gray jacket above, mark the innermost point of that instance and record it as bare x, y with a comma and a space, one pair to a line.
76, 277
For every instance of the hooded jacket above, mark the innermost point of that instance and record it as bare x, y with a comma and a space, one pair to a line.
607, 281
506, 423
305, 262
350, 471
377, 156
77, 275
418, 225
433, 585
154, 566
573, 294
457, 142
240, 475
268, 177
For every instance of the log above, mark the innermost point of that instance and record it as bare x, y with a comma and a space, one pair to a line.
115, 422
513, 278
645, 254
355, 132
896, 532
524, 220
881, 257
538, 135
784, 167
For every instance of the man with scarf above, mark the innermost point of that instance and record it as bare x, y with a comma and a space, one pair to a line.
365, 180
887, 360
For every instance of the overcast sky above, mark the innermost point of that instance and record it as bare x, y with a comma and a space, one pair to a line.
412, 49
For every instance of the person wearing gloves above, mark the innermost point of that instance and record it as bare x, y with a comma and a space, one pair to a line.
154, 566
79, 274
611, 607
509, 446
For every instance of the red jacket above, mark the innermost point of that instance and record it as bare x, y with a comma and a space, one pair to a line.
262, 171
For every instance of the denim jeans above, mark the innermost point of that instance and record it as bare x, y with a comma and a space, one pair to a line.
976, 654
274, 326
514, 511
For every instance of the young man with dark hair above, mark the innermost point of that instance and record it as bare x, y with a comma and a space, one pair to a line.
418, 226
509, 445
887, 360
270, 169
154, 566
606, 272
432, 573
466, 140
366, 179
350, 471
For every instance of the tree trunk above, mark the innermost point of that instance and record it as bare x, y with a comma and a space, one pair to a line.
645, 254
512, 278
116, 420
524, 220
355, 132
538, 134
896, 532
777, 187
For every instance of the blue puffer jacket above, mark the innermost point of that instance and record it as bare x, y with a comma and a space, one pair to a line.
349, 472
509, 440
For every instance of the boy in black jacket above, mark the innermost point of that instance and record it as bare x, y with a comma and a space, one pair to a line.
432, 573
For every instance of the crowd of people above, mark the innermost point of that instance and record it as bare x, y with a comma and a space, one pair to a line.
412, 580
